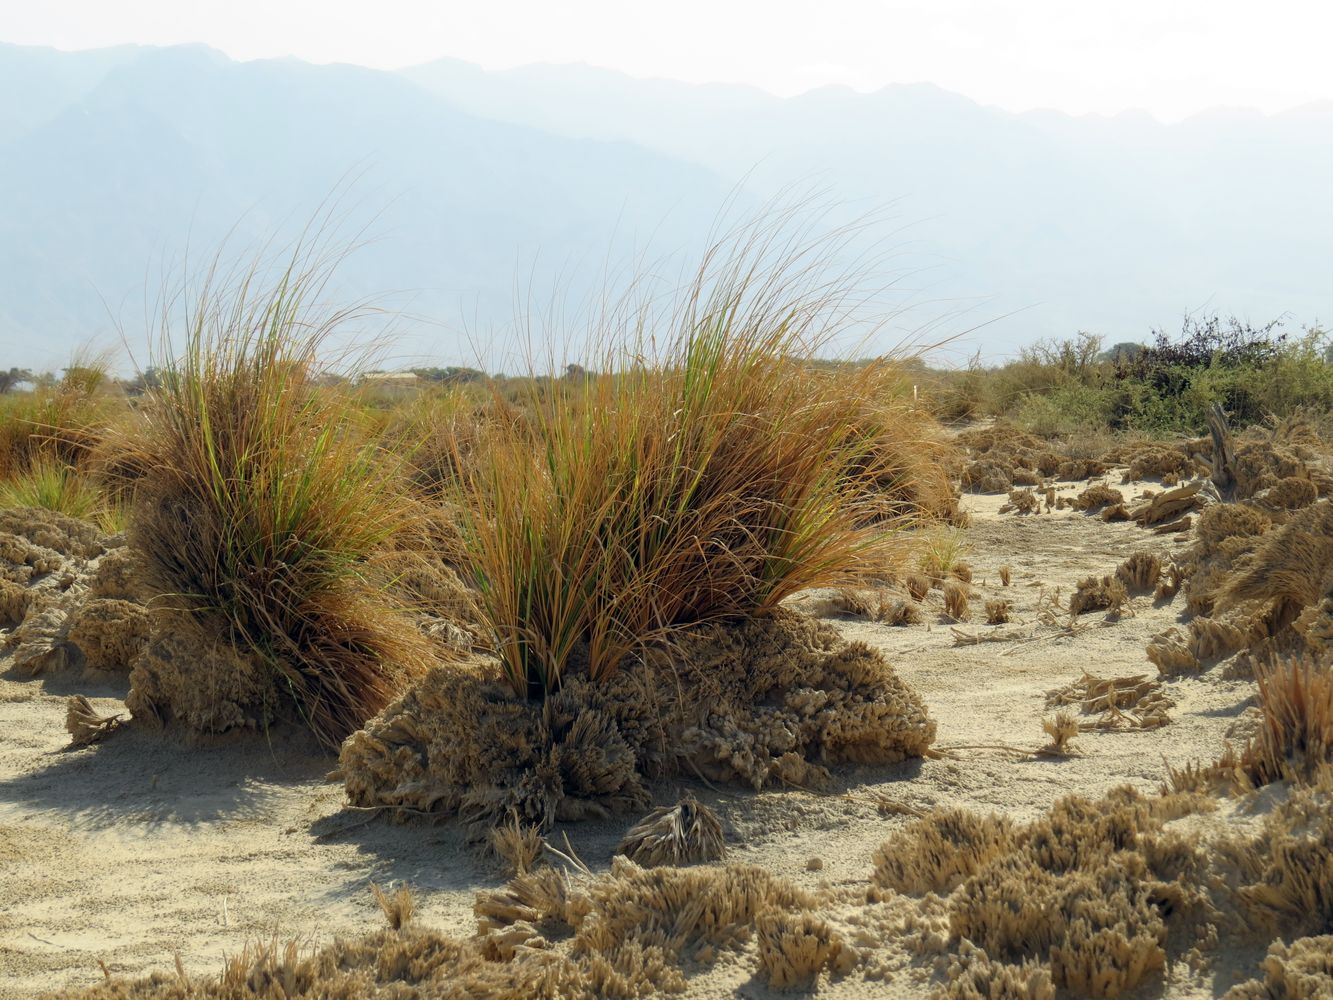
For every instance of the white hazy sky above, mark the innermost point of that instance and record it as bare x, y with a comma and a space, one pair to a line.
1170, 57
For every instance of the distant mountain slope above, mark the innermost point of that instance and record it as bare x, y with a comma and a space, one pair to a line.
175, 146
478, 184
1112, 224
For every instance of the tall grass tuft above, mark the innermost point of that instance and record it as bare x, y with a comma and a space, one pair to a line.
704, 474
258, 501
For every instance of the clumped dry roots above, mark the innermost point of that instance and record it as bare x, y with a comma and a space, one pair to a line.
183, 677
1164, 462
684, 834
1097, 496
763, 702
1301, 971
625, 934
1095, 897
1254, 587
1097, 594
1099, 895
1137, 702
1140, 572
85, 725
1022, 502
1005, 457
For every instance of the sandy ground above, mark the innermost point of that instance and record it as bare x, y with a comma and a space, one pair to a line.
141, 849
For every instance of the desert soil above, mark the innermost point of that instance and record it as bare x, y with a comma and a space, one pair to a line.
131, 853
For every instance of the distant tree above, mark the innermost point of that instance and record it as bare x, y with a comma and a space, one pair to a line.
449, 375
9, 380
148, 380
1126, 350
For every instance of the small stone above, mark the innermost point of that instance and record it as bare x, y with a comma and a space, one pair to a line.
815, 865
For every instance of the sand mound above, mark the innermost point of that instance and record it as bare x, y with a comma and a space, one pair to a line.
761, 702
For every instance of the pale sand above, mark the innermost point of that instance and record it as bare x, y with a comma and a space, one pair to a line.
142, 848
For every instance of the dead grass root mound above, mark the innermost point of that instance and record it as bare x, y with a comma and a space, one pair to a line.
767, 701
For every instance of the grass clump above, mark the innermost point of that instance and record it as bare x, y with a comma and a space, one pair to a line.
52, 485
704, 475
59, 420
259, 503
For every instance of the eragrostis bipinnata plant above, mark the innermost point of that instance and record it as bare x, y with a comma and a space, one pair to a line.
631, 544
257, 507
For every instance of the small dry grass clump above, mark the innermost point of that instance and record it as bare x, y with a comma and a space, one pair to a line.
86, 725
956, 600
257, 509
1160, 462
1140, 572
1097, 496
1021, 502
398, 908
998, 610
881, 605
1062, 729
941, 556
1137, 702
899, 612
988, 475
1302, 970
938, 851
1006, 574
1295, 740
1096, 594
519, 847
918, 586
794, 948
1081, 468
687, 833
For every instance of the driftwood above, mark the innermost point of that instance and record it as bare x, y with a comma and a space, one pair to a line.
1224, 452
1170, 505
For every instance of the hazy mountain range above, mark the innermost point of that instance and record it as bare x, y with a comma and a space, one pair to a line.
484, 188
